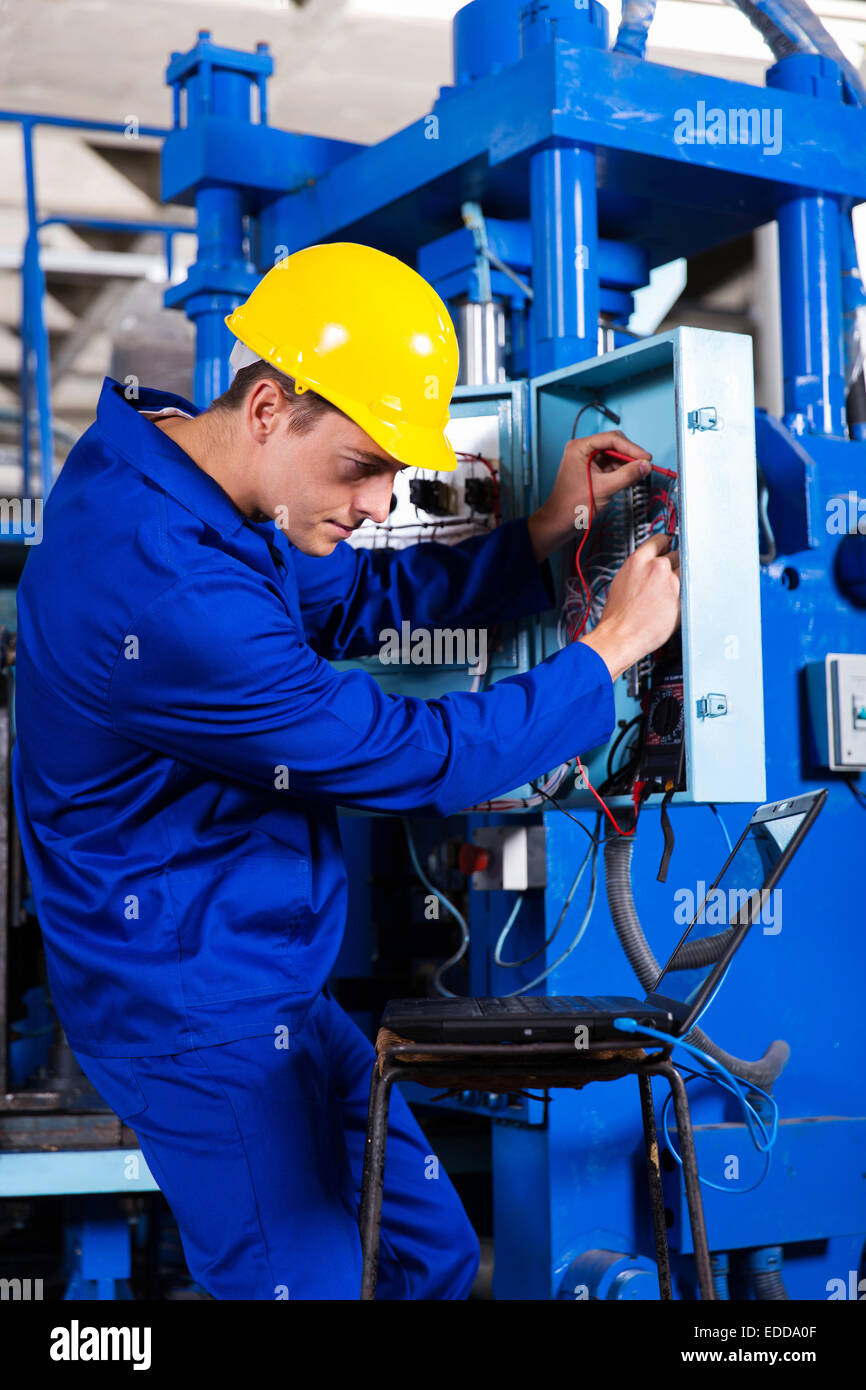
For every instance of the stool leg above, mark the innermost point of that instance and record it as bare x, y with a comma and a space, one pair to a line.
654, 1179
694, 1200
373, 1178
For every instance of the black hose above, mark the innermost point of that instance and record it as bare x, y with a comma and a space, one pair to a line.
618, 852
694, 954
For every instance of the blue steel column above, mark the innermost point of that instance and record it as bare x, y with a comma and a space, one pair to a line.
220, 214
490, 35
217, 85
35, 359
810, 268
564, 257
563, 208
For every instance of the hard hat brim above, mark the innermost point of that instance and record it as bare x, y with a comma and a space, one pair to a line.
414, 445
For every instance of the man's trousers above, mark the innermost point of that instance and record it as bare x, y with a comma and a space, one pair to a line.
258, 1148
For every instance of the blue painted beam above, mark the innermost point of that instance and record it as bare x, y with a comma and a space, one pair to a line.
86, 1170
617, 104
815, 1188
257, 158
619, 265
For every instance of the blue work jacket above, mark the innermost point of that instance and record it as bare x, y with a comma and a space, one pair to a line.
183, 742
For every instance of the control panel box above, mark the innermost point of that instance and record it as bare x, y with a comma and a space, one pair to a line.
837, 706
687, 397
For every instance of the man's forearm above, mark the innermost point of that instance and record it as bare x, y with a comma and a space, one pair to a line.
546, 537
616, 653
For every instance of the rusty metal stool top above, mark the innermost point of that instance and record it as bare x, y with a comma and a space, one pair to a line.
514, 1066
392, 1048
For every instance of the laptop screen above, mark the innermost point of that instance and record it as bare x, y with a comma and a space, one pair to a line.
713, 913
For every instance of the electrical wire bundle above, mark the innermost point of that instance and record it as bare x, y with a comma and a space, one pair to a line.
627, 521
585, 588
552, 784
591, 856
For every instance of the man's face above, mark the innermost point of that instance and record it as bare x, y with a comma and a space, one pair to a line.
320, 486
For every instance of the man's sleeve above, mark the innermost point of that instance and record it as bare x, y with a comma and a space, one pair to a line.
221, 678
350, 597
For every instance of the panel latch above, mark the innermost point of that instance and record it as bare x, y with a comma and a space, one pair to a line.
707, 418
711, 706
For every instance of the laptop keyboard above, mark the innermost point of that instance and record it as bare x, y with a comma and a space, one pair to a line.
550, 1004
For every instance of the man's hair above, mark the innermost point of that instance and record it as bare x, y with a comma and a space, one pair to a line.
307, 408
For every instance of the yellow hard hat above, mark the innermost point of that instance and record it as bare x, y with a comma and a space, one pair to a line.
369, 334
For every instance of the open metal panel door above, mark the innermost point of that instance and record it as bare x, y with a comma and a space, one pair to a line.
692, 713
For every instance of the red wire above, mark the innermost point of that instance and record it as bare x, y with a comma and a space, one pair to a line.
623, 458
583, 582
634, 795
636, 789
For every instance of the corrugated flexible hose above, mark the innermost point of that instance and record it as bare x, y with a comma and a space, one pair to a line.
618, 852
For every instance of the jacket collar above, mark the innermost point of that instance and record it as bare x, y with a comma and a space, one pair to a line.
152, 453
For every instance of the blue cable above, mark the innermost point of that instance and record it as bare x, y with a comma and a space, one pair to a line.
708, 1182
760, 1137
724, 827
458, 917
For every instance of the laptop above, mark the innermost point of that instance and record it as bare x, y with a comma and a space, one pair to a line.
742, 893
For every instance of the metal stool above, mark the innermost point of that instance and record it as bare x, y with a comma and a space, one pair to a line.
516, 1066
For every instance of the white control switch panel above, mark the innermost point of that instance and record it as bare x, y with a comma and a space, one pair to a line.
837, 700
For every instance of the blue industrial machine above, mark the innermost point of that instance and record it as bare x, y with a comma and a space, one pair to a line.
537, 195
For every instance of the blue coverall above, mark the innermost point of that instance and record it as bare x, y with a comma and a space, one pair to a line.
182, 744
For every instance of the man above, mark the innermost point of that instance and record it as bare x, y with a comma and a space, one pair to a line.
183, 743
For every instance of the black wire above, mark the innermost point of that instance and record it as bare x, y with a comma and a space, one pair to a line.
618, 740
621, 781
594, 405
855, 792
586, 832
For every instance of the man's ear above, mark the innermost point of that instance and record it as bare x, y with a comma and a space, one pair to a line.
266, 409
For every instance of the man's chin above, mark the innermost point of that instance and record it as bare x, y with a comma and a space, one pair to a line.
320, 540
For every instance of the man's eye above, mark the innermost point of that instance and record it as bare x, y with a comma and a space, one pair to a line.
365, 467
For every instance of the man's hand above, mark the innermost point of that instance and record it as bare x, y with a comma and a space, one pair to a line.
642, 609
568, 506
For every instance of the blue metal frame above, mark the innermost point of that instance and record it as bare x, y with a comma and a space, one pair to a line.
35, 353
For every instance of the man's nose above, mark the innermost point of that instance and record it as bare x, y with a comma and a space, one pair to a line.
376, 503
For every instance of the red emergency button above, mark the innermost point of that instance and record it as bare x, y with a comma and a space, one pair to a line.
470, 859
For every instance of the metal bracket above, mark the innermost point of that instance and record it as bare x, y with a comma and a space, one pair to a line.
711, 706
707, 418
